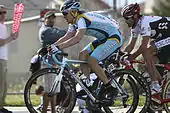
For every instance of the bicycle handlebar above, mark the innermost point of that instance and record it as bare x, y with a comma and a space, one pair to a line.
52, 59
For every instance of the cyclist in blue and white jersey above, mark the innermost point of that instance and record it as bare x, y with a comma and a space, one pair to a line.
108, 38
151, 28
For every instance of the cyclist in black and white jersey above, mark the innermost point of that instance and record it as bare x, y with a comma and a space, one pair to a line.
154, 28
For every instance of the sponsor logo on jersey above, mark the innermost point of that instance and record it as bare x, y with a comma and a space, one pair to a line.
163, 42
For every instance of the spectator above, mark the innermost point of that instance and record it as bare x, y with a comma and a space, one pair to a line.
4, 40
48, 34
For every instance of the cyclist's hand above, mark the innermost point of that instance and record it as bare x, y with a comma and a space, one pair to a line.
125, 58
48, 48
53, 48
130, 58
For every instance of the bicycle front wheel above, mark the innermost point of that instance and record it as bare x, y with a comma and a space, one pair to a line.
66, 99
144, 96
121, 103
166, 96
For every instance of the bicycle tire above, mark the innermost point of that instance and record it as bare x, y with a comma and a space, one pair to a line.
164, 95
143, 84
41, 73
133, 85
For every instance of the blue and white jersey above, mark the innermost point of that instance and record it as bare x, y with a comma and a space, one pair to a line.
96, 25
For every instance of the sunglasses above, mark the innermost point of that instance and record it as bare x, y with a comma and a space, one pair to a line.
2, 12
64, 13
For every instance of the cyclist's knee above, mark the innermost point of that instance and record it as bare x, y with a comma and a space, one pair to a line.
83, 55
92, 60
146, 55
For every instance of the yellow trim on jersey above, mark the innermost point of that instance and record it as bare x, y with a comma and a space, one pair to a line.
83, 15
115, 40
91, 45
100, 45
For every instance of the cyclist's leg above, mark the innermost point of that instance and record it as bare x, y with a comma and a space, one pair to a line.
151, 68
153, 51
84, 54
101, 53
97, 69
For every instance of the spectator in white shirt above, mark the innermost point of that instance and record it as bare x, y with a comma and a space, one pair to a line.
4, 40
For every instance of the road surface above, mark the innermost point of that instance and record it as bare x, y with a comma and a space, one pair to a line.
24, 110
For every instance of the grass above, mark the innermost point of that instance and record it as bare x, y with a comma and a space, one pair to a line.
18, 100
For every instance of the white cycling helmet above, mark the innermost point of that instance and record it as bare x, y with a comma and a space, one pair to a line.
69, 5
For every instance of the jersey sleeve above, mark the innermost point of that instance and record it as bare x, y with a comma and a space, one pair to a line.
115, 23
81, 24
71, 28
145, 28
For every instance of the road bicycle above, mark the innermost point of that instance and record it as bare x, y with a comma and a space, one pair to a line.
65, 78
161, 100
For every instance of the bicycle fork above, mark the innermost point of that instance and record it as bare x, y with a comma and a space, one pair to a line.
124, 94
115, 84
56, 84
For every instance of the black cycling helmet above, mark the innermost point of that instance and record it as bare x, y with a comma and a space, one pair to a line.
69, 5
130, 10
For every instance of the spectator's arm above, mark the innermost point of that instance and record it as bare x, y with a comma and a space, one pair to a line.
13, 36
4, 41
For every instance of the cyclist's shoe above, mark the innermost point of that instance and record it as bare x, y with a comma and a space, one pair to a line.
80, 93
156, 91
108, 94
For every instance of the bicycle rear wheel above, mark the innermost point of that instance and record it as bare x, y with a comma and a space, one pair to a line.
166, 95
66, 99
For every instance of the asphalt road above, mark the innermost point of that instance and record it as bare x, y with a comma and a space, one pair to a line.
24, 110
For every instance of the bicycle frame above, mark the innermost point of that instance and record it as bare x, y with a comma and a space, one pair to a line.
65, 65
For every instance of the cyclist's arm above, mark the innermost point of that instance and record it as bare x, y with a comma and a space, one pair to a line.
72, 41
67, 36
131, 45
143, 48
